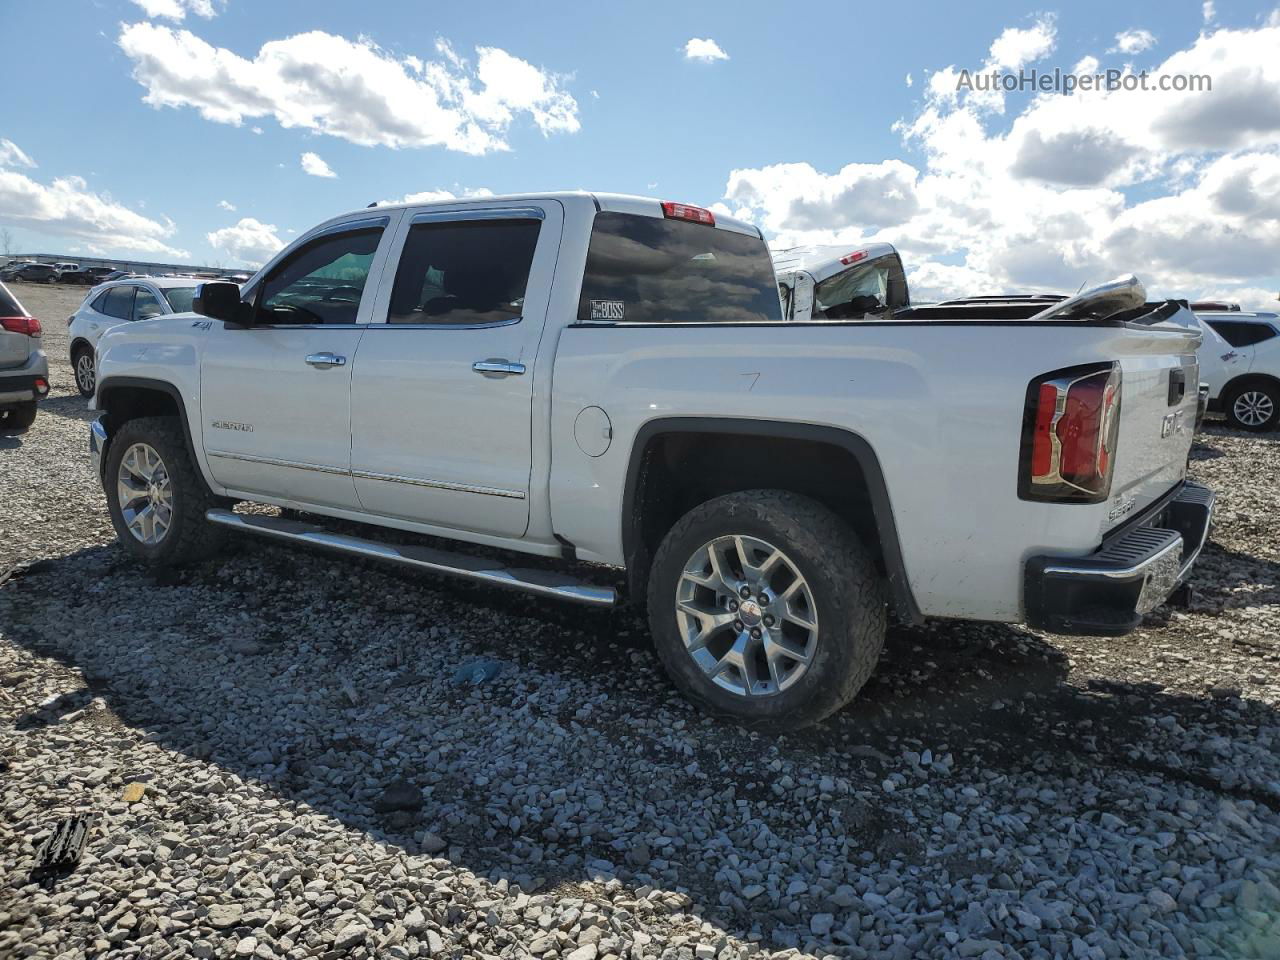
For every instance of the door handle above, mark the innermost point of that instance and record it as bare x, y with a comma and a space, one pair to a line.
498, 368
324, 361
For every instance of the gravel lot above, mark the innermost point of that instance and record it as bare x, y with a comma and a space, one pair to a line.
281, 761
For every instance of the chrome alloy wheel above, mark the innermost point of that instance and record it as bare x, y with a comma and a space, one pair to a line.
747, 616
145, 493
1253, 408
84, 372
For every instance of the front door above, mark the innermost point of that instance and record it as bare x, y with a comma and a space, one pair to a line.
275, 397
443, 386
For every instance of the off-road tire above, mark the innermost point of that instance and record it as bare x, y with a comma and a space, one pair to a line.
17, 419
190, 538
847, 590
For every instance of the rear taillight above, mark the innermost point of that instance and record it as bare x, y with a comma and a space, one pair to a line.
42, 386
682, 211
1070, 426
854, 257
28, 325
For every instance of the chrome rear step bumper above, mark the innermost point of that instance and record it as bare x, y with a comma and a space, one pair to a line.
1108, 592
545, 583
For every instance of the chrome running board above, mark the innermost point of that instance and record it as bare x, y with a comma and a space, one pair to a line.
546, 583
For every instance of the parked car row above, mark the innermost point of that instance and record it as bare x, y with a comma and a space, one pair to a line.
63, 272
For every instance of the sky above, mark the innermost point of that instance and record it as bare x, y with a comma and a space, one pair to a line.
213, 131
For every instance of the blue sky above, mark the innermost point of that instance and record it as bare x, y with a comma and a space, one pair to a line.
808, 126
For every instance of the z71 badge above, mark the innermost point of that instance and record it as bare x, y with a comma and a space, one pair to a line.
608, 310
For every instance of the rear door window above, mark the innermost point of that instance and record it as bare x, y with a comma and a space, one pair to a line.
116, 302
1242, 334
464, 272
654, 270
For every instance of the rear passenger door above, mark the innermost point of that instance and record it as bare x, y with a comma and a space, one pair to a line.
443, 386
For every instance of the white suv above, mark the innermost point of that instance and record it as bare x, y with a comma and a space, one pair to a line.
1240, 361
120, 302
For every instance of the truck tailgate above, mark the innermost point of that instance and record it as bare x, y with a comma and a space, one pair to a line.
1157, 412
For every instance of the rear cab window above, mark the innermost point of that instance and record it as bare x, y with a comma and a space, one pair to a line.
644, 269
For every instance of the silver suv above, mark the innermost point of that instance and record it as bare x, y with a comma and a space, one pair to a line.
24, 369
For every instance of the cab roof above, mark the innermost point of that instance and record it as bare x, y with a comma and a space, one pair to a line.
614, 202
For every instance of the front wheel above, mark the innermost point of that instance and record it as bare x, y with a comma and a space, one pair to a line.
18, 419
1254, 406
156, 499
766, 609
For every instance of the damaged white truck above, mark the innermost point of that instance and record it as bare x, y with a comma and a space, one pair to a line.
612, 379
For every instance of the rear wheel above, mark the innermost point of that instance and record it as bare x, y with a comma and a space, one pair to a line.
156, 498
18, 419
86, 377
1254, 406
766, 609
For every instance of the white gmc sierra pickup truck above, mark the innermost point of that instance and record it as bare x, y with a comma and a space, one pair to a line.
611, 379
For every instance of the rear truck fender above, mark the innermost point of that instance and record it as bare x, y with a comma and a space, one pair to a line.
834, 466
120, 399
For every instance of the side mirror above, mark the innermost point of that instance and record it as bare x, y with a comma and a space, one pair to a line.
220, 300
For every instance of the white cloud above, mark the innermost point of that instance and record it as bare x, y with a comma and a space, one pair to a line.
227, 205
67, 208
313, 164
1134, 41
176, 9
1018, 46
705, 50
1208, 11
352, 89
249, 241
12, 155
434, 196
1042, 201
910, 82
795, 196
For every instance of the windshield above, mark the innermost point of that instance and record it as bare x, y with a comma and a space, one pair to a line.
649, 270
180, 298
860, 290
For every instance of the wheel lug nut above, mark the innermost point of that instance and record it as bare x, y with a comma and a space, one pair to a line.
733, 604
755, 633
745, 593
769, 621
737, 625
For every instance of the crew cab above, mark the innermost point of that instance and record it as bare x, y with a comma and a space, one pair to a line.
610, 380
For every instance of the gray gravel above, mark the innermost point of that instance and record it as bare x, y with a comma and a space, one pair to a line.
285, 758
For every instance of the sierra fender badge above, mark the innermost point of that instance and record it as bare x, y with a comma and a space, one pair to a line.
231, 425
